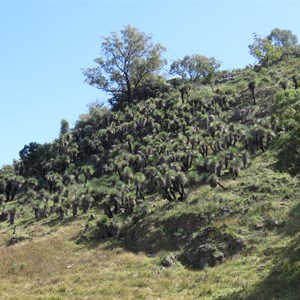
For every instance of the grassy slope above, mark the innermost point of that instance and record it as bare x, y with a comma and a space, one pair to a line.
52, 264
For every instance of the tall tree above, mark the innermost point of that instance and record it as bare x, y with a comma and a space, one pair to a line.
283, 38
264, 51
275, 46
127, 61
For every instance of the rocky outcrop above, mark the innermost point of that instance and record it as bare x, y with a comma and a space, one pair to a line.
211, 248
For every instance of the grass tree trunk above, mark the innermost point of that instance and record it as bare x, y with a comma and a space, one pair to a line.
251, 87
12, 215
75, 209
85, 205
61, 213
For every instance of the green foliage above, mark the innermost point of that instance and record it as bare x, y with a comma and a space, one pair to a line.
287, 110
126, 62
264, 51
64, 127
195, 68
283, 38
278, 44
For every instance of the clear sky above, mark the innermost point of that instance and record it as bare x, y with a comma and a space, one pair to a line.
46, 44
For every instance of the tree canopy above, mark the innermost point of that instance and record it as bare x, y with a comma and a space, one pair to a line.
127, 60
272, 48
194, 68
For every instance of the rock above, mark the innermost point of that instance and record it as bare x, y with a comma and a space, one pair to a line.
206, 233
261, 268
168, 261
91, 217
202, 256
218, 258
236, 246
225, 210
239, 114
258, 226
253, 188
271, 224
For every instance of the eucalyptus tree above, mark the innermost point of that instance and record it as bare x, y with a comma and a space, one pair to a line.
128, 59
273, 47
265, 51
34, 159
283, 38
195, 68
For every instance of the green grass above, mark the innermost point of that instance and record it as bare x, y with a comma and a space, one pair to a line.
53, 263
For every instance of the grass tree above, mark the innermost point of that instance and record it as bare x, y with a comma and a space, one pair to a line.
88, 172
86, 202
252, 86
214, 181
139, 180
12, 187
53, 181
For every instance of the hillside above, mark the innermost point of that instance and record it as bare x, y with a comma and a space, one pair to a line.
184, 188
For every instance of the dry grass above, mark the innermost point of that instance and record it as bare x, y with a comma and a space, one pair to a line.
55, 267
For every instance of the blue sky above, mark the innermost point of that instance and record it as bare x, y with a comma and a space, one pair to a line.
46, 44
